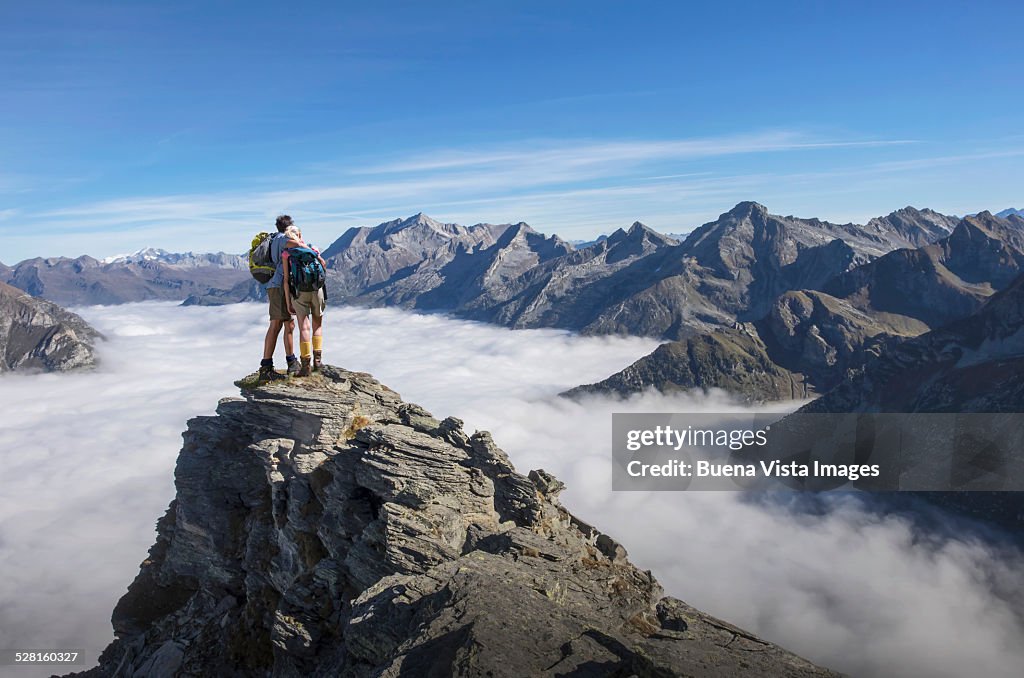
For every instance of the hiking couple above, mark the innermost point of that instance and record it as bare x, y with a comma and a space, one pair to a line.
295, 288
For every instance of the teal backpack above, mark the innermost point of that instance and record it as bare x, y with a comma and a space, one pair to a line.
307, 274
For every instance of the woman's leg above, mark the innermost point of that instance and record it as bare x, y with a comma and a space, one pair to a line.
318, 334
305, 339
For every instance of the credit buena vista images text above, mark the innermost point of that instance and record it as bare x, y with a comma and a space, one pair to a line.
763, 469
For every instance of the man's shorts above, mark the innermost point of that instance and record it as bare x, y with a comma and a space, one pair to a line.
309, 303
278, 311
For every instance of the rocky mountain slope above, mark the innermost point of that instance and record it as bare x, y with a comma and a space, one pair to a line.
38, 335
326, 528
421, 263
815, 337
975, 364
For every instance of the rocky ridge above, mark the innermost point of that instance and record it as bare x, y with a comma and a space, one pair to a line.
323, 527
36, 334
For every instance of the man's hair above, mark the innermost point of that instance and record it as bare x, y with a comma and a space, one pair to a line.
283, 222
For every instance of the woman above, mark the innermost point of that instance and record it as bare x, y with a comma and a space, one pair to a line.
307, 306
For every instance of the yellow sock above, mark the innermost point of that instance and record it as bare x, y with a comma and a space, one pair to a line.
305, 349
318, 343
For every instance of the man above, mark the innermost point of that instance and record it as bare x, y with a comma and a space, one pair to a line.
279, 316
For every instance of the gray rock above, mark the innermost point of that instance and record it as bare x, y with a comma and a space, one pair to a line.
38, 335
325, 528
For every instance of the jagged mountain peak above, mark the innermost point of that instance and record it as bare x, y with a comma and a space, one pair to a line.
748, 206
983, 221
638, 232
746, 209
418, 220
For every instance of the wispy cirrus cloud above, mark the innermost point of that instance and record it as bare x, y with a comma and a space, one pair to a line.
576, 188
447, 175
577, 155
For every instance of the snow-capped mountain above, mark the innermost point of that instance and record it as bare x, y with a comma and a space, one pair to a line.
183, 260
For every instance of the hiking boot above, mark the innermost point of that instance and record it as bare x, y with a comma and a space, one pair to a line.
268, 374
304, 371
293, 367
318, 360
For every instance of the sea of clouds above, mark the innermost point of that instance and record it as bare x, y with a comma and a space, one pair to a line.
88, 461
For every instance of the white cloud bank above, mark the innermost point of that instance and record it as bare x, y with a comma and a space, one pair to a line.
88, 462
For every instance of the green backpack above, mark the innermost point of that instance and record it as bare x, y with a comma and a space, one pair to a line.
261, 265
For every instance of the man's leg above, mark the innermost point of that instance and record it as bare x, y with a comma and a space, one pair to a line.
270, 341
278, 318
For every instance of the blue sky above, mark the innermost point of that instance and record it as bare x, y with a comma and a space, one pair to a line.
189, 125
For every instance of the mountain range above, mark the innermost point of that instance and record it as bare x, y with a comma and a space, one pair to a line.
184, 260
809, 340
635, 281
85, 280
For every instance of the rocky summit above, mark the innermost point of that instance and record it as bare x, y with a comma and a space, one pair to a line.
324, 527
36, 334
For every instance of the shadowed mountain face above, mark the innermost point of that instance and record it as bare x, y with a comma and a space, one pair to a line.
38, 335
817, 337
943, 281
322, 527
975, 364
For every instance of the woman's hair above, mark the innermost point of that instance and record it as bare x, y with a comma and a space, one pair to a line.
293, 233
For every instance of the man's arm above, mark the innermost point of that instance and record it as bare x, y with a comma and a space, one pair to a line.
287, 283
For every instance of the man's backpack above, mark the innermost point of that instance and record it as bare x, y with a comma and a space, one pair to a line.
261, 264
307, 274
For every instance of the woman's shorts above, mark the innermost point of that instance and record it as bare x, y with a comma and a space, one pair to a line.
309, 303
